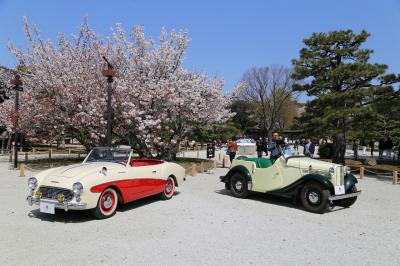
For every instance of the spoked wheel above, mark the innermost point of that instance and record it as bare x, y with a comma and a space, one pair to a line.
107, 204
238, 185
314, 197
169, 189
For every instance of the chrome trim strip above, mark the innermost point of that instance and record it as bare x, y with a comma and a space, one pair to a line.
59, 205
345, 196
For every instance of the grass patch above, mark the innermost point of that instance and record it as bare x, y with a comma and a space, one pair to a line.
379, 167
43, 164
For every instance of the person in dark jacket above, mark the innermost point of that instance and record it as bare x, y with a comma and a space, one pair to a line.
372, 147
381, 147
309, 148
260, 147
388, 148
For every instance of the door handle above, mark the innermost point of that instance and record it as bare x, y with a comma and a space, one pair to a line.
154, 171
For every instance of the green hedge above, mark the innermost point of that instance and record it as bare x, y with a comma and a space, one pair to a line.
325, 151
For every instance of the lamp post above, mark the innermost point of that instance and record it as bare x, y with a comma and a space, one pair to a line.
17, 87
110, 74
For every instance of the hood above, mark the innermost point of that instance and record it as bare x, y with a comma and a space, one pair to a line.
66, 176
305, 162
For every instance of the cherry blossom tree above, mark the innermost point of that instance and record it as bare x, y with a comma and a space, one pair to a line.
156, 101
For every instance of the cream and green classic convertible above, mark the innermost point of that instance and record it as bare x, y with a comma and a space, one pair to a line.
317, 184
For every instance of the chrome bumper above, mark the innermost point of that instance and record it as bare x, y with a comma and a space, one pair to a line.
59, 205
345, 196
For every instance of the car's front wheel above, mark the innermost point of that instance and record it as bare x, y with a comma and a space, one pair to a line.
314, 197
238, 185
107, 204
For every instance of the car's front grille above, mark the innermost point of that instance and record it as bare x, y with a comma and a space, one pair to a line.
52, 192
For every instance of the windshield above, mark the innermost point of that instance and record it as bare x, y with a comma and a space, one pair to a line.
288, 152
109, 154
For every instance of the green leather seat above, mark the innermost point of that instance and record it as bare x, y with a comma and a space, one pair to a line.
260, 162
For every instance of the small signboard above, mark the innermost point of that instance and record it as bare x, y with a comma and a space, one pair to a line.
210, 151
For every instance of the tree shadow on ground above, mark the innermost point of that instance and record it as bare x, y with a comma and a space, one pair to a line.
275, 200
74, 216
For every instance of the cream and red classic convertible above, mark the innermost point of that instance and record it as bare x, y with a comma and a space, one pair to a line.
106, 177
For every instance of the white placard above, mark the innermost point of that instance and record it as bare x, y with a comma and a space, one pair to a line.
339, 190
46, 207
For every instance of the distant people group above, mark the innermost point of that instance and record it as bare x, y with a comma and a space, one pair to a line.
273, 147
385, 148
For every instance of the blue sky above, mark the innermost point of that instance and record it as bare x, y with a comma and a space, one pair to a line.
228, 37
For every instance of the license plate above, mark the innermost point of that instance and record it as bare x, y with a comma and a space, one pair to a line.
339, 190
46, 207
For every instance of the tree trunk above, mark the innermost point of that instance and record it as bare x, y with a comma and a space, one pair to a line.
339, 144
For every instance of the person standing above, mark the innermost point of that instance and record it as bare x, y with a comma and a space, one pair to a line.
372, 147
296, 145
309, 148
275, 146
381, 147
355, 148
363, 145
232, 149
260, 147
388, 148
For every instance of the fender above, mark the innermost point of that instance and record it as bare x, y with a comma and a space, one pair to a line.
238, 168
293, 188
349, 181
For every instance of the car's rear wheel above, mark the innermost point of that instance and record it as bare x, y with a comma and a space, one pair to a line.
169, 189
346, 203
314, 197
238, 185
107, 204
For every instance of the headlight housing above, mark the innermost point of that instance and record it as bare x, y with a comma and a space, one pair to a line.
331, 172
77, 188
32, 183
348, 170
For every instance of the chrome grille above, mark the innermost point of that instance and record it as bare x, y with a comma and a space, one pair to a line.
52, 192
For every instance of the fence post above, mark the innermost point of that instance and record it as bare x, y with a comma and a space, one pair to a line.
198, 154
50, 153
69, 151
361, 172
202, 167
183, 154
22, 170
394, 178
215, 164
193, 169
26, 156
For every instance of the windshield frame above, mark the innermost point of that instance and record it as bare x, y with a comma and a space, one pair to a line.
286, 157
128, 152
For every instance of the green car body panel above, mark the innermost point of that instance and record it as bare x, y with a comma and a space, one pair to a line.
238, 168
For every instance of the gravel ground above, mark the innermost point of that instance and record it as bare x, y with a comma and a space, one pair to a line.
202, 225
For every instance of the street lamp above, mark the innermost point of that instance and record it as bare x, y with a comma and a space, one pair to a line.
110, 74
17, 87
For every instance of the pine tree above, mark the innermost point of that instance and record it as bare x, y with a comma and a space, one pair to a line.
336, 71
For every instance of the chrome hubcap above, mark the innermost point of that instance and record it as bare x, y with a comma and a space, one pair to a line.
238, 185
108, 202
168, 187
313, 197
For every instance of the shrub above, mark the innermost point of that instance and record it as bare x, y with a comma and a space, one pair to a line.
325, 151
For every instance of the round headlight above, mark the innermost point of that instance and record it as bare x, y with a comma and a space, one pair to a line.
32, 183
348, 170
77, 188
331, 171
